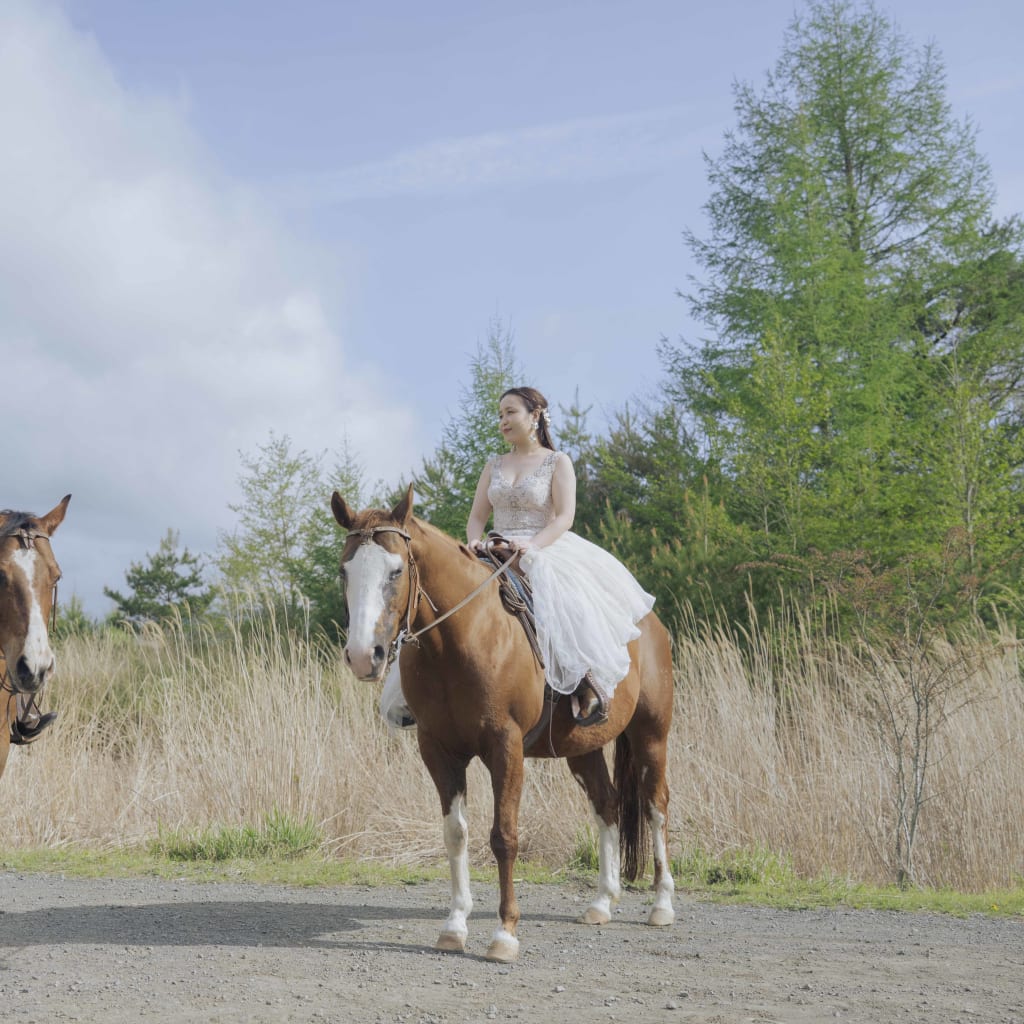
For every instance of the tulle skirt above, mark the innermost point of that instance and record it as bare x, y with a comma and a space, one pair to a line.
587, 606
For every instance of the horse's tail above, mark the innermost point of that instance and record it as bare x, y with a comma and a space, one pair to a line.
634, 830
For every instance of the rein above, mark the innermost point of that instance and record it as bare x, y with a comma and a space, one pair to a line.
407, 635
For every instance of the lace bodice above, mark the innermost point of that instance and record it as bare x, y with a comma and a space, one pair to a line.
524, 508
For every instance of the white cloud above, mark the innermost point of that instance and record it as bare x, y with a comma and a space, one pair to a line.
583, 149
153, 319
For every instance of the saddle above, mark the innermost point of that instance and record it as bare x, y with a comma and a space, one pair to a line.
514, 588
517, 598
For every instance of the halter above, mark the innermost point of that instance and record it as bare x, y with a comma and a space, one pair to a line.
406, 635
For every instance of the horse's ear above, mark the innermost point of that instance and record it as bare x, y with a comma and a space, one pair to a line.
55, 516
345, 516
403, 510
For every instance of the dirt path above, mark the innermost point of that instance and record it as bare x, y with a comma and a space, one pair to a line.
120, 951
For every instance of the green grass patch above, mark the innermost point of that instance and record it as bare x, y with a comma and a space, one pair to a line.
757, 867
309, 870
585, 854
766, 878
277, 838
757, 877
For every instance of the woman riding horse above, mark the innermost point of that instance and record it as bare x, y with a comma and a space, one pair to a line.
419, 599
586, 603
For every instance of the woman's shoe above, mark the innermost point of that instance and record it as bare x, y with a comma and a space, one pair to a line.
587, 706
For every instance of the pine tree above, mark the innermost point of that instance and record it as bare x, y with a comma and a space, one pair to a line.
446, 484
850, 214
169, 584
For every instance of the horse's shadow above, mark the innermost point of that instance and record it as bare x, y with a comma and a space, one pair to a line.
241, 924
215, 923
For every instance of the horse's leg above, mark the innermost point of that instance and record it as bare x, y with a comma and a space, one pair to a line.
504, 760
652, 756
449, 775
591, 772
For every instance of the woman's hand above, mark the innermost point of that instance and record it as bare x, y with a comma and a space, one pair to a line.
476, 546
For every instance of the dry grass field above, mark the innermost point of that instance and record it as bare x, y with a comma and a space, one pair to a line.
784, 743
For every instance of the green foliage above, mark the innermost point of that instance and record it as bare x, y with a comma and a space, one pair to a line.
446, 484
740, 867
286, 544
317, 571
866, 312
73, 620
585, 855
281, 511
169, 585
647, 497
278, 837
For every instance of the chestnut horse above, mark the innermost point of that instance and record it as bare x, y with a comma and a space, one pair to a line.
28, 579
474, 686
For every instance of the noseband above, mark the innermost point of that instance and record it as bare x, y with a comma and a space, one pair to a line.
406, 635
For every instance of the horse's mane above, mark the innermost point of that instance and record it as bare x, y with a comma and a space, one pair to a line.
12, 522
374, 517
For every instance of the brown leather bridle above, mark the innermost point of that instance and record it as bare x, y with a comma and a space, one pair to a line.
406, 634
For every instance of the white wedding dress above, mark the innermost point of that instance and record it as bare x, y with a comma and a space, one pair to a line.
586, 602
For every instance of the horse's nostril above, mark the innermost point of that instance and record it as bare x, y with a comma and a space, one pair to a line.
378, 654
348, 657
25, 674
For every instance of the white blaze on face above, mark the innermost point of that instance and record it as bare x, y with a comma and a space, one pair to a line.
367, 575
36, 650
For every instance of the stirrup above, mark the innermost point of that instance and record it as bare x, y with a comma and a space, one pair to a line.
595, 711
25, 734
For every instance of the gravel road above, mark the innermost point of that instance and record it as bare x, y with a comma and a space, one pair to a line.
146, 949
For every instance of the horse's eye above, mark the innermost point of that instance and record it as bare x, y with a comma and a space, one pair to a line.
395, 574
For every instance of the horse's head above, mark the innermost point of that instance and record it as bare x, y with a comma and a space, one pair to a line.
28, 576
376, 573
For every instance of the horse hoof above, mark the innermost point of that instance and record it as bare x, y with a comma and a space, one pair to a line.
661, 917
503, 950
594, 915
450, 942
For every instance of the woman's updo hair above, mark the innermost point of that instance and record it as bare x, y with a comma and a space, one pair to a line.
534, 400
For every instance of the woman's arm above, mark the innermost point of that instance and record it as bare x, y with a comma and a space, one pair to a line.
563, 497
481, 510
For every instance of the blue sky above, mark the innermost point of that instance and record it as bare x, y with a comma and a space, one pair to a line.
219, 220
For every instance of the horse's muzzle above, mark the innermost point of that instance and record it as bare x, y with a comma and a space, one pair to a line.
29, 679
367, 665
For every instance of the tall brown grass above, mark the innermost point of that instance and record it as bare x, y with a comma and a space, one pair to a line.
780, 743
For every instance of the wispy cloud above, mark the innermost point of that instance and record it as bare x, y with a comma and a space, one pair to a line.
583, 149
154, 320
